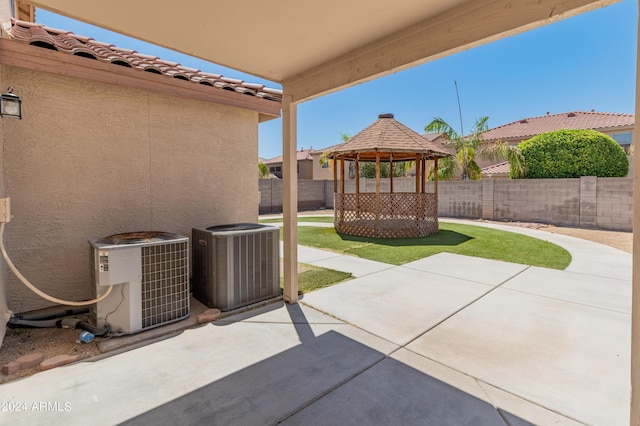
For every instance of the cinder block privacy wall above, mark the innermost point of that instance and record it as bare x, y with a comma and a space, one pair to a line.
587, 202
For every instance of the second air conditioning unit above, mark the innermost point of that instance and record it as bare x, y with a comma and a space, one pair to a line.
150, 275
235, 265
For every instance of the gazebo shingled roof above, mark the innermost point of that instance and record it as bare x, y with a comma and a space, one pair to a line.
387, 136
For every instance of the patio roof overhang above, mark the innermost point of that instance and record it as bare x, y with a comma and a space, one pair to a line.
288, 42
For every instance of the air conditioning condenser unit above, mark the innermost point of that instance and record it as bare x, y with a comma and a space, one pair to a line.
151, 273
235, 265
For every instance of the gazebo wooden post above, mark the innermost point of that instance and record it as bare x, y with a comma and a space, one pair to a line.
418, 173
435, 175
358, 186
342, 188
424, 175
391, 173
335, 175
377, 222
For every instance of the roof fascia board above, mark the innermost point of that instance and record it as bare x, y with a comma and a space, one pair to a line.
471, 24
54, 62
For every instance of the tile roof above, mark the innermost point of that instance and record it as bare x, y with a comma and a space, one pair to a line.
387, 135
528, 127
303, 154
73, 44
494, 169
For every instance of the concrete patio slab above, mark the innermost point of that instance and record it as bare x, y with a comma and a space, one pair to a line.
241, 366
601, 292
400, 392
397, 304
485, 271
567, 357
520, 412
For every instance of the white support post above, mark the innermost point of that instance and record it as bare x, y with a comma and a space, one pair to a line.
635, 299
290, 199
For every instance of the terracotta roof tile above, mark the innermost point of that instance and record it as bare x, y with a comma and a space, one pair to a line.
499, 168
67, 42
387, 135
529, 127
303, 154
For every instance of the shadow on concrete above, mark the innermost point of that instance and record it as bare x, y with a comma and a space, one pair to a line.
325, 380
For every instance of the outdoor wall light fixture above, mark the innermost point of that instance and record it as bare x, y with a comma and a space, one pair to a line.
10, 105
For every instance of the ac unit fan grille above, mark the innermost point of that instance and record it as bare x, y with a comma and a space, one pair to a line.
165, 283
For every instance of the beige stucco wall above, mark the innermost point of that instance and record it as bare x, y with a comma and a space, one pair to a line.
320, 173
7, 127
305, 169
89, 160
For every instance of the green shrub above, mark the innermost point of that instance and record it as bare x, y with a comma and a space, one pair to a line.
573, 153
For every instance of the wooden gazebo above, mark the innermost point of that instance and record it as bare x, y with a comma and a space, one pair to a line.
392, 214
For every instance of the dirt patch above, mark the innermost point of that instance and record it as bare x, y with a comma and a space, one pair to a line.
620, 240
48, 341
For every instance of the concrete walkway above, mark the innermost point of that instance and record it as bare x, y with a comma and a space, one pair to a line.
445, 340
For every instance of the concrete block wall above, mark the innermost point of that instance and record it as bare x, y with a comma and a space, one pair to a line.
587, 202
555, 201
312, 195
614, 204
460, 199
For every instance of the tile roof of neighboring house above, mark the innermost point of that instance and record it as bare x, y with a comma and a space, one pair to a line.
431, 136
327, 149
73, 44
387, 135
529, 127
303, 154
494, 169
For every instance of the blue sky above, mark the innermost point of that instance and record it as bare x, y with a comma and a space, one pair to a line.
581, 63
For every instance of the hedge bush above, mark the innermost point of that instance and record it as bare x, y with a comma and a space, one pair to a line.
573, 153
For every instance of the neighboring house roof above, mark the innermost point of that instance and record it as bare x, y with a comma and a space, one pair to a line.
431, 136
495, 169
529, 127
387, 135
323, 150
72, 44
303, 154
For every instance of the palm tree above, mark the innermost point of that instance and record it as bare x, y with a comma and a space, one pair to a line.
466, 148
503, 151
263, 171
324, 159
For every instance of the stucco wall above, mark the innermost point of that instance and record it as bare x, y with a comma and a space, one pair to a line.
89, 160
7, 129
305, 169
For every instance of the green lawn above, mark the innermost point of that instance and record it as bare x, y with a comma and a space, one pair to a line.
467, 240
313, 277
